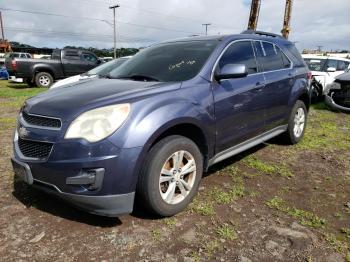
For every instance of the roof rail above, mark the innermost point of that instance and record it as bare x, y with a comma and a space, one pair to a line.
261, 33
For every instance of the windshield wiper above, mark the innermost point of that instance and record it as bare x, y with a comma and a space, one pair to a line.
140, 77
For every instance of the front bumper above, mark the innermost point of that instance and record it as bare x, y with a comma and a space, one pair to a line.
103, 205
70, 162
330, 102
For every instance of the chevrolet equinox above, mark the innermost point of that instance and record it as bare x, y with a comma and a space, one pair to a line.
150, 128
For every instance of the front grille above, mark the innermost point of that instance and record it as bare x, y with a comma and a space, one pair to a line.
34, 149
41, 121
342, 97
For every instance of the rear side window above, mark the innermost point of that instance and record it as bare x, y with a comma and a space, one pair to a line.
296, 54
71, 54
240, 53
270, 57
342, 65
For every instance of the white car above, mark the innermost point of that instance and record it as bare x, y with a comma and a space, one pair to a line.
100, 70
324, 69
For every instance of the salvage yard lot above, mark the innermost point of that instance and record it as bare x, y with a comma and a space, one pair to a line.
274, 202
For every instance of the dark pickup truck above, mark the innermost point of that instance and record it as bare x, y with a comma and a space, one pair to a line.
43, 72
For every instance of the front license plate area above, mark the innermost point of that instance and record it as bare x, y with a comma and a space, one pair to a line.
22, 172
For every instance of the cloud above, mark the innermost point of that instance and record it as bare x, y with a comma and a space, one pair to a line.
141, 23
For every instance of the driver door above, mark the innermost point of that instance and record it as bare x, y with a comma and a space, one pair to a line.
239, 102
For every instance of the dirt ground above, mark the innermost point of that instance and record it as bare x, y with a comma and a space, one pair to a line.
272, 203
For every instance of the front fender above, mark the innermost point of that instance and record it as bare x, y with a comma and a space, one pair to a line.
145, 127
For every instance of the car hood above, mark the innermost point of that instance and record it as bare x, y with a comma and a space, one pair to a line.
69, 80
68, 101
343, 77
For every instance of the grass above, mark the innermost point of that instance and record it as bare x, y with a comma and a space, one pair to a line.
306, 218
346, 231
156, 234
202, 208
323, 132
267, 168
227, 232
226, 197
7, 122
8, 90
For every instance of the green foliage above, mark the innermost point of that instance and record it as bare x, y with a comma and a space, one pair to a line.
306, 218
227, 232
267, 168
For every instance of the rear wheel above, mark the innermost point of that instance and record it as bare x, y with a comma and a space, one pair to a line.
296, 123
171, 176
43, 79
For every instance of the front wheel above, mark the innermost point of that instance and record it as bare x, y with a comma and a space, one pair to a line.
43, 79
296, 123
171, 176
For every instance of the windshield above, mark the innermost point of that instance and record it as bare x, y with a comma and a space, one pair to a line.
169, 62
106, 68
315, 64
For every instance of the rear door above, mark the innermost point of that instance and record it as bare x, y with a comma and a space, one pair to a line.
279, 80
239, 103
71, 62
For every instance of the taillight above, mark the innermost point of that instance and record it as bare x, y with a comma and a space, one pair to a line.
309, 75
14, 65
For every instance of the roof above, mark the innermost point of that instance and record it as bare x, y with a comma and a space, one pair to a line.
324, 57
244, 35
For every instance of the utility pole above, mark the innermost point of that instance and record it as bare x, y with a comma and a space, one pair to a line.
287, 16
254, 15
206, 27
115, 30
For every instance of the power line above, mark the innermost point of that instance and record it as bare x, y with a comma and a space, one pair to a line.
88, 2
74, 34
96, 19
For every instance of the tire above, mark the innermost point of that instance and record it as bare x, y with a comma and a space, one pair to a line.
156, 195
298, 116
43, 79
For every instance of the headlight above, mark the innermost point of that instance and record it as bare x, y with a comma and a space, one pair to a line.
97, 124
331, 86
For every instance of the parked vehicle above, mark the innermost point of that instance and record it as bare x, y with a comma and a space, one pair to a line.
43, 72
101, 70
324, 70
338, 93
18, 55
3, 72
161, 119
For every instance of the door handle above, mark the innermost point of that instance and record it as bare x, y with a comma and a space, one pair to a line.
259, 86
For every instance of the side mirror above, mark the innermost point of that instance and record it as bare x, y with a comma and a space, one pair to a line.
230, 71
331, 69
99, 61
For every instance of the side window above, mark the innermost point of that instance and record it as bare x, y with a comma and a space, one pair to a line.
71, 55
272, 59
285, 59
332, 63
23, 56
342, 65
89, 57
240, 53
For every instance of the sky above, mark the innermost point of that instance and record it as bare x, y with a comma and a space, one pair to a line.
88, 23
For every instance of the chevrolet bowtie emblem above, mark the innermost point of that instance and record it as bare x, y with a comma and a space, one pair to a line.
23, 132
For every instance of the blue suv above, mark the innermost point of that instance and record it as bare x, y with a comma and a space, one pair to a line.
151, 127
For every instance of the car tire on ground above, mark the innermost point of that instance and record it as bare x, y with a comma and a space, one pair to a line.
43, 79
171, 176
296, 123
